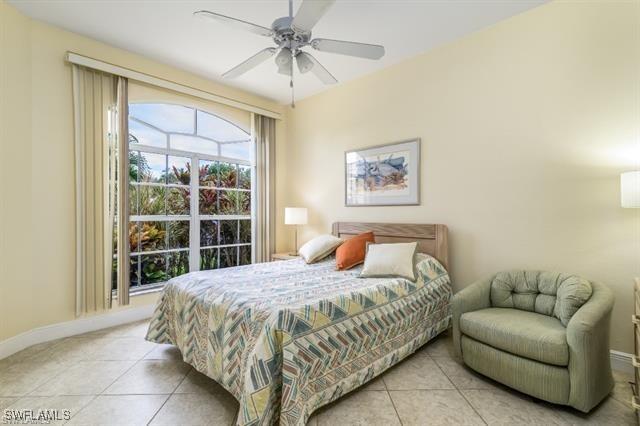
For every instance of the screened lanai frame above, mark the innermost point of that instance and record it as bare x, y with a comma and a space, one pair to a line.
195, 218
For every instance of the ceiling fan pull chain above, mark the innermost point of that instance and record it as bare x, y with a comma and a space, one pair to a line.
293, 102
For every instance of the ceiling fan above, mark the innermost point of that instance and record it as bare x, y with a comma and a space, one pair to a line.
291, 34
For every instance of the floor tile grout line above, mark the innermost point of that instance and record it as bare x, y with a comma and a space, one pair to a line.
473, 407
170, 395
118, 378
30, 393
393, 404
159, 408
460, 391
81, 408
57, 343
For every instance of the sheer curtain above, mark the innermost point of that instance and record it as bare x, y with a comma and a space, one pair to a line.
95, 105
264, 132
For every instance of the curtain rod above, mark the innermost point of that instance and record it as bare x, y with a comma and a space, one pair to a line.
96, 64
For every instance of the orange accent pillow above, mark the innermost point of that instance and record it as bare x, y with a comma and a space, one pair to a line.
352, 251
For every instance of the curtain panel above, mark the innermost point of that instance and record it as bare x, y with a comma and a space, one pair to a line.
264, 133
95, 102
123, 167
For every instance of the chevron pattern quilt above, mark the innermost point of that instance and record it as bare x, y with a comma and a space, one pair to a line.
286, 338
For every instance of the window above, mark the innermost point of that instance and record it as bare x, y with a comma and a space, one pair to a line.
181, 220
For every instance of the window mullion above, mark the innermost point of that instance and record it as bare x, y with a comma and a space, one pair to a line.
194, 229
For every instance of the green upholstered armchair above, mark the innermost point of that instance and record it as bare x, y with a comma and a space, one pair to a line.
543, 333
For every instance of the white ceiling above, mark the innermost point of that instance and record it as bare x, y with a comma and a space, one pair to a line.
167, 32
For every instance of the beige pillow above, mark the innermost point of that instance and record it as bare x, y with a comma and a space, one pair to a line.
319, 248
390, 260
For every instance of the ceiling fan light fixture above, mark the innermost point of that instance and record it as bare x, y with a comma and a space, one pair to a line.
284, 57
304, 63
285, 69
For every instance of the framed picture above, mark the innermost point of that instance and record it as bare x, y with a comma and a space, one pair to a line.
384, 175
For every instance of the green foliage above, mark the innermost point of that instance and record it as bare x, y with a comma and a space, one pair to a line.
208, 259
178, 263
151, 200
208, 200
244, 178
228, 257
178, 201
178, 234
137, 164
154, 269
228, 175
180, 175
161, 200
228, 202
208, 174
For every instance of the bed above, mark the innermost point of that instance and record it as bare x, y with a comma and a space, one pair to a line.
285, 338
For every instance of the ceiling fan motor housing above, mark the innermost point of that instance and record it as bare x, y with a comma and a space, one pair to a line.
287, 36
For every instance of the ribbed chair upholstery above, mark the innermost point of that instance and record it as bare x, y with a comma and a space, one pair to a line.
543, 333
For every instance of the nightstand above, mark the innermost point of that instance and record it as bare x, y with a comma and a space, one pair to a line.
282, 256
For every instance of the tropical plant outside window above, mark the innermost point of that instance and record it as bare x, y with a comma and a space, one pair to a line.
171, 231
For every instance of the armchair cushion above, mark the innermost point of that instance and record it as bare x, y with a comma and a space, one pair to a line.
548, 293
573, 292
527, 334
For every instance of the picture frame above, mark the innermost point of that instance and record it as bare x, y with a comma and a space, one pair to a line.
383, 175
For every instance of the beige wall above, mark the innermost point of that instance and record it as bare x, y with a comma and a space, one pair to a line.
525, 128
16, 272
37, 263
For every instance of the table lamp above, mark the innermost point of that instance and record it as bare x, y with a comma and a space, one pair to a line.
295, 216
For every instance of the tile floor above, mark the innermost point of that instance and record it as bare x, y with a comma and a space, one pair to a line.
115, 377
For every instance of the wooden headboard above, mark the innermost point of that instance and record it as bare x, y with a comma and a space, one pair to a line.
431, 239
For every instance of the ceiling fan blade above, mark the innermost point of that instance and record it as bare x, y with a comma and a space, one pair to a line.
237, 23
250, 63
309, 14
350, 48
319, 71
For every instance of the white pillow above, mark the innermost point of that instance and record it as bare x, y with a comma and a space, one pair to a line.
319, 248
390, 260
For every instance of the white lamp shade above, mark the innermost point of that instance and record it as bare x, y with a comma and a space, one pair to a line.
630, 189
295, 216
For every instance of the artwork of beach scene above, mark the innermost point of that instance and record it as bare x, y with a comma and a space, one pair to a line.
383, 175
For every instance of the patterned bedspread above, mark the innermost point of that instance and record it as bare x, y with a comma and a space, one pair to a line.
286, 338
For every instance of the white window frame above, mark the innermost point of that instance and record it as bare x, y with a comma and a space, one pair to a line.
194, 217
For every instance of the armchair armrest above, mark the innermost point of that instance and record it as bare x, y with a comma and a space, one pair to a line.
471, 298
589, 358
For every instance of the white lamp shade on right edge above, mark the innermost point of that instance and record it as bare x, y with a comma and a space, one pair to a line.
630, 189
295, 216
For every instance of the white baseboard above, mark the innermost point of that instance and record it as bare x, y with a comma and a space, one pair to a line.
621, 361
71, 328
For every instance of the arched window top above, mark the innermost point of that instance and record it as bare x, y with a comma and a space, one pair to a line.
188, 129
165, 117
